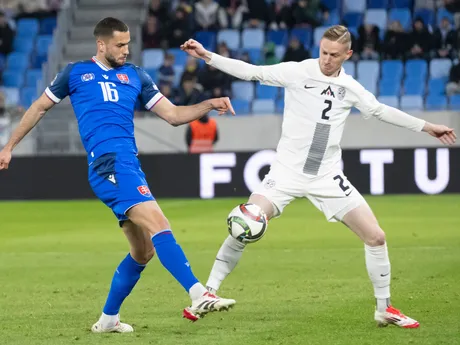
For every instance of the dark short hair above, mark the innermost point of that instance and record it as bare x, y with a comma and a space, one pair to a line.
107, 26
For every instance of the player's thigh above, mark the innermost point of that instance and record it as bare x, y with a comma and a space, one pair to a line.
362, 221
277, 190
119, 182
142, 249
334, 195
149, 216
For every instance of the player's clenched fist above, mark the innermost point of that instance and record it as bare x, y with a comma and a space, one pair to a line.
222, 105
5, 158
195, 49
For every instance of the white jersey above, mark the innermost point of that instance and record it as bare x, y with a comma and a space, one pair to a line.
315, 110
316, 107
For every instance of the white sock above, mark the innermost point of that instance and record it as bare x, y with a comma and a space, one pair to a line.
379, 269
196, 291
109, 321
227, 257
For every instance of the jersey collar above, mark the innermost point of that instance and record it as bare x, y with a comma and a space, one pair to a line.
100, 64
330, 79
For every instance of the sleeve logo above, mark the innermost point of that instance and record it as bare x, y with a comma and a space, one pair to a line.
87, 77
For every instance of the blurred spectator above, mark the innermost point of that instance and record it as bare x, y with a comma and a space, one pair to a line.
452, 6
166, 72
421, 41
211, 78
206, 15
167, 91
453, 86
34, 9
159, 9
257, 15
6, 35
269, 54
184, 5
444, 38
190, 70
282, 10
368, 43
201, 135
180, 28
151, 36
190, 92
231, 13
396, 42
295, 51
217, 92
9, 7
309, 13
5, 122
222, 49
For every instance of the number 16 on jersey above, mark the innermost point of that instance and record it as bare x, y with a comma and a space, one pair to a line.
109, 91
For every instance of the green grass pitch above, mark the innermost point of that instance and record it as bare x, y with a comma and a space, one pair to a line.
304, 283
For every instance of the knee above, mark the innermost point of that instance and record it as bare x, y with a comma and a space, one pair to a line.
376, 239
148, 255
144, 257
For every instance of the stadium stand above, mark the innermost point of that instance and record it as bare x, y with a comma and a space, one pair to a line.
21, 67
405, 82
416, 83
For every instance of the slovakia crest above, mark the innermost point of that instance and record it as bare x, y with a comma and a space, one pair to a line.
87, 77
144, 190
123, 78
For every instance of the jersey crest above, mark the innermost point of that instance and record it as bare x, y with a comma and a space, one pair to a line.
123, 78
328, 92
341, 93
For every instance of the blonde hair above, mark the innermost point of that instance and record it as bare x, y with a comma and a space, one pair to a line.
338, 33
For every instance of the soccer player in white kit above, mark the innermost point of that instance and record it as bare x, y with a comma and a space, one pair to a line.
319, 96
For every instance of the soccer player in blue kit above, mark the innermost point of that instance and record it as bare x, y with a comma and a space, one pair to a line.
104, 92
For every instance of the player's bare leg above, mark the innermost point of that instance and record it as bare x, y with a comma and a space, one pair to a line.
141, 252
151, 219
362, 221
231, 250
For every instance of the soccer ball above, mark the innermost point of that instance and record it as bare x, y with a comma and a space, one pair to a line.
247, 223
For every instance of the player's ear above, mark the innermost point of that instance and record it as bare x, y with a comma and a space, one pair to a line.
100, 44
349, 54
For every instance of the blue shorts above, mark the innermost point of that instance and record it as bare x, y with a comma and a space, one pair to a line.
119, 182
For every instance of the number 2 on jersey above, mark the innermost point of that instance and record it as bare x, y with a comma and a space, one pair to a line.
325, 110
108, 91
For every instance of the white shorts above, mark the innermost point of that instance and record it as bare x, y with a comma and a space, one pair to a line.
332, 194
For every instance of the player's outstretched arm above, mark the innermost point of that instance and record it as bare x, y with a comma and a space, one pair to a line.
29, 120
179, 115
369, 106
401, 119
276, 75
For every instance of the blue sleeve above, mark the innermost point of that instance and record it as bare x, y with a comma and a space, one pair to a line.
59, 87
150, 95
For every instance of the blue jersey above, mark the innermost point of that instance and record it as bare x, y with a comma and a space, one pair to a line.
104, 100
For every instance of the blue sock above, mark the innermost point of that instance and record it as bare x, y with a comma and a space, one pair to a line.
126, 276
173, 258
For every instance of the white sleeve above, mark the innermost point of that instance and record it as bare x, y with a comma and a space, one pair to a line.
282, 74
401, 119
371, 107
366, 102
